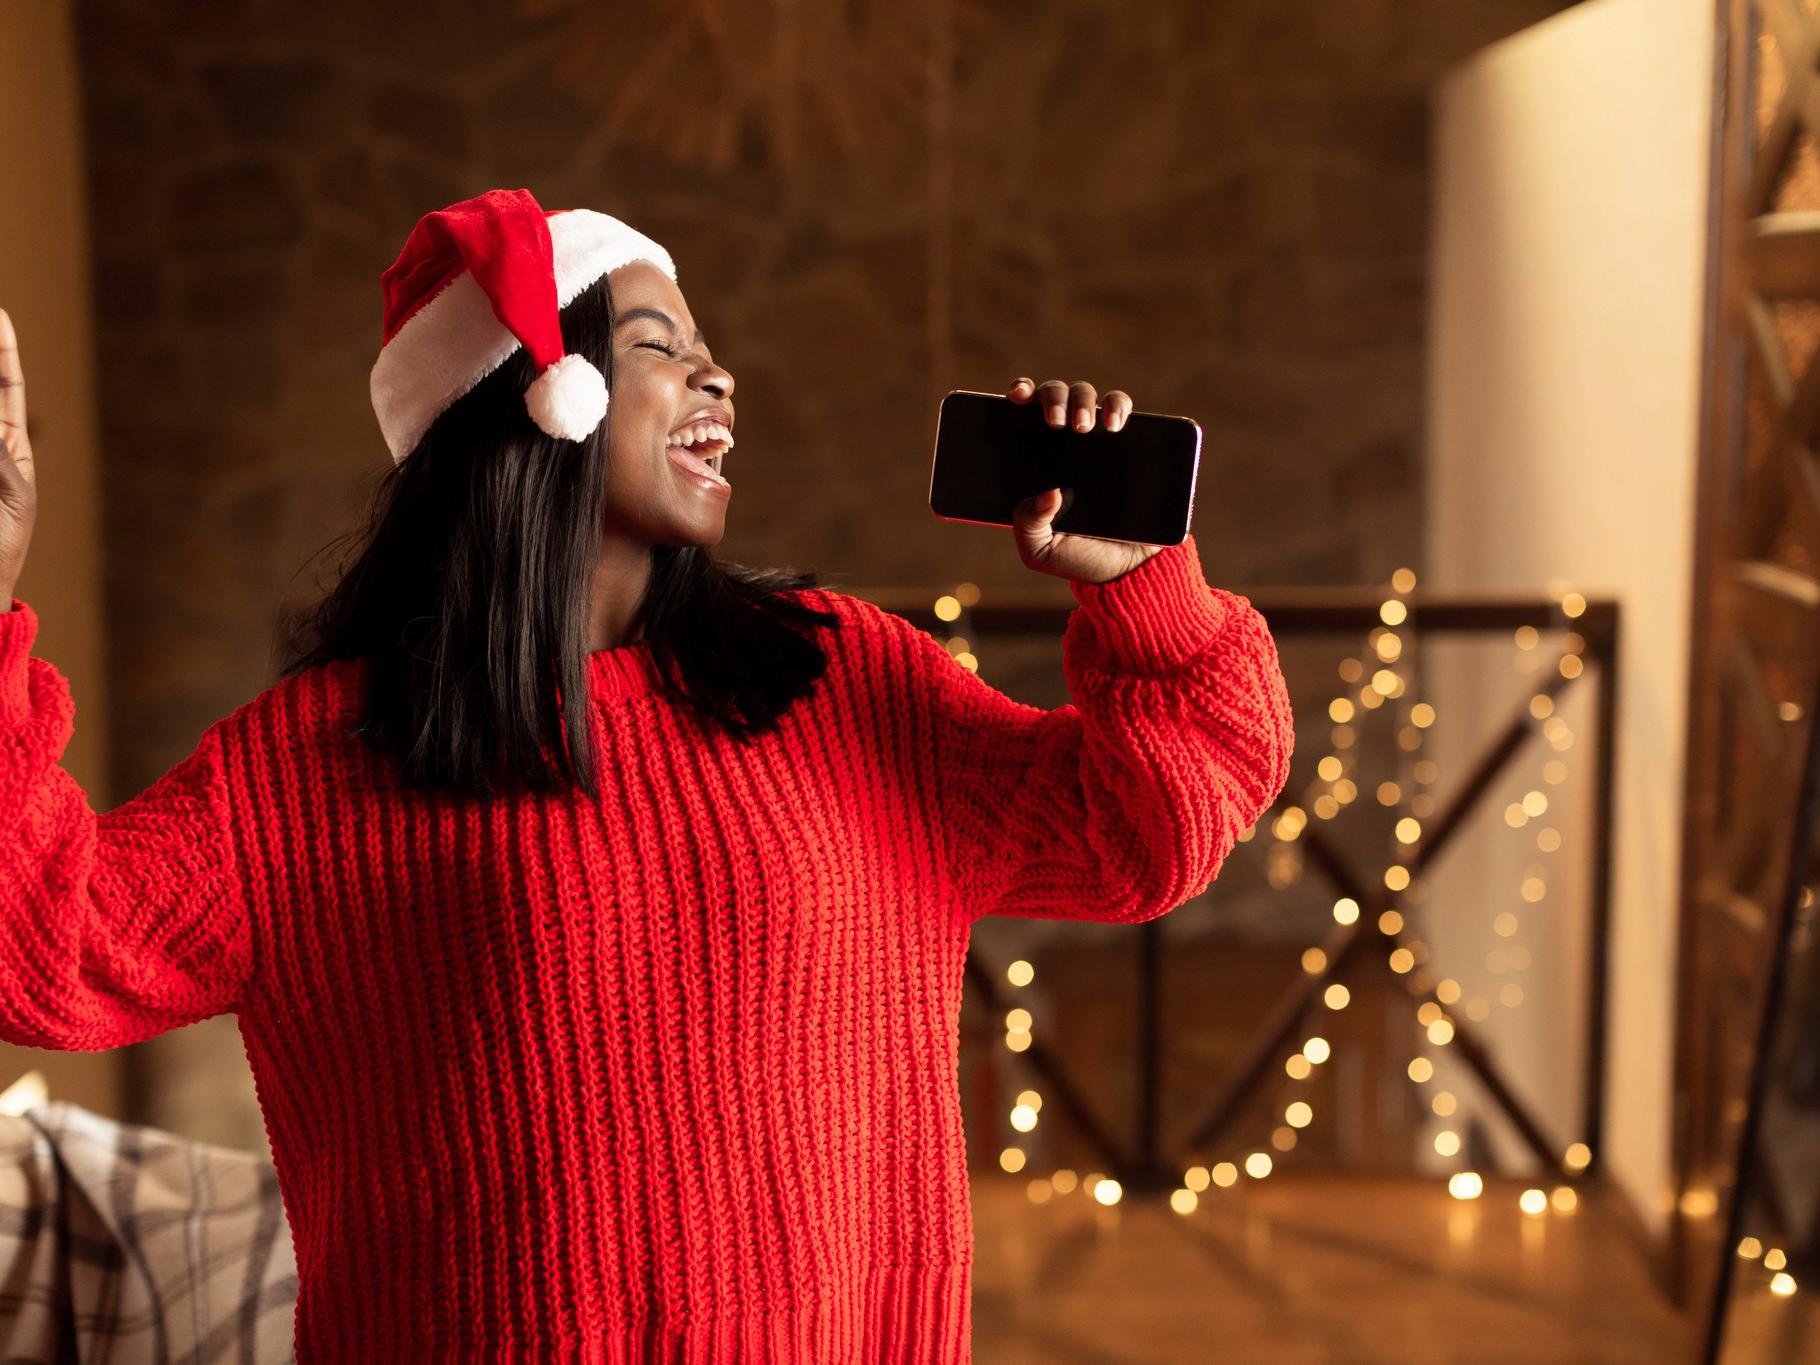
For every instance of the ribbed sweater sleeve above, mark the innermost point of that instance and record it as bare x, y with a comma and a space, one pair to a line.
1124, 803
113, 927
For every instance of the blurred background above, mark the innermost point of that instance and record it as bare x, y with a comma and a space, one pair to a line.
1499, 1038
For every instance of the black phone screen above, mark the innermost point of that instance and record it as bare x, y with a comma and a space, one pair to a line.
1135, 484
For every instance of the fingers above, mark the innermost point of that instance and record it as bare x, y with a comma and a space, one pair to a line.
1116, 406
12, 399
1077, 405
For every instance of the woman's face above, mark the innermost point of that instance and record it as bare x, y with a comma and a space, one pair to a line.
662, 377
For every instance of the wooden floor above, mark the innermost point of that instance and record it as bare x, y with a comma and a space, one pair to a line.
1309, 1268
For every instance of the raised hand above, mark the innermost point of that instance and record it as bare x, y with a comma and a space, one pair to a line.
1088, 559
18, 472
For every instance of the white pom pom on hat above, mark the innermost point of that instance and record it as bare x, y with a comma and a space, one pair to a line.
476, 281
569, 398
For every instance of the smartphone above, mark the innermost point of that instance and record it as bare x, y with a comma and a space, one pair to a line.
1136, 483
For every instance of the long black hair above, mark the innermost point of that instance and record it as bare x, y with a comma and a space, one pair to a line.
468, 593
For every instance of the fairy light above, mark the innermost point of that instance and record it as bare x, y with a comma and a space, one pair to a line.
1374, 687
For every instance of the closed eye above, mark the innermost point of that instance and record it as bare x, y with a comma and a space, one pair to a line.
665, 347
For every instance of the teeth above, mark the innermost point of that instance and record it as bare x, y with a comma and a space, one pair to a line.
700, 432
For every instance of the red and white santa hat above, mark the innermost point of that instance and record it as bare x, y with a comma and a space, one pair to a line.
476, 281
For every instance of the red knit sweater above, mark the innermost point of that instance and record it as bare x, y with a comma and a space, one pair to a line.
668, 1077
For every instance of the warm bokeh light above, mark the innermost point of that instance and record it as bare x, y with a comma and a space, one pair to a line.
1225, 1174
1108, 1191
1447, 1142
1012, 1158
1258, 1165
1020, 973
1183, 1201
1336, 996
1533, 1202
1345, 910
1421, 1069
1564, 1199
1314, 961
1465, 1185
1316, 1049
1299, 1115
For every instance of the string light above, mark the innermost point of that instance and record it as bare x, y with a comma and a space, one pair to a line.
1385, 683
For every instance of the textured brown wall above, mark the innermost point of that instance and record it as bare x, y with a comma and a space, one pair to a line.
1219, 208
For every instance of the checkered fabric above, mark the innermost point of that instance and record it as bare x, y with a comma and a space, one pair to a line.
122, 1243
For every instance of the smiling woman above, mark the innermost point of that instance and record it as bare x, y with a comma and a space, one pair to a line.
499, 557
663, 1072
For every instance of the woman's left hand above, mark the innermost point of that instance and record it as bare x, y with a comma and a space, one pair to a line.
1088, 559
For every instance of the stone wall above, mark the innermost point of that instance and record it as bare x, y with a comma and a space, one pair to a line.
1219, 208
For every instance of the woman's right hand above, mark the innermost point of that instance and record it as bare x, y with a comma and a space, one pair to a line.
18, 473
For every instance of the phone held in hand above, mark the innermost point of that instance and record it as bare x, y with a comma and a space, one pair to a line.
1134, 484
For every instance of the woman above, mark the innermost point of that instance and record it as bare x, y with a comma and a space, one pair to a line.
594, 913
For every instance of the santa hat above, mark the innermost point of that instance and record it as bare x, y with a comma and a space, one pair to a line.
476, 281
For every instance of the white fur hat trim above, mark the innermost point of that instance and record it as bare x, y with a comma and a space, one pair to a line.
454, 341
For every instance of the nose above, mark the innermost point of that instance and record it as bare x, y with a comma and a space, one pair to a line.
718, 381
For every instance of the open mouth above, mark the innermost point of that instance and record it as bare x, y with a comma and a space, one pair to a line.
703, 458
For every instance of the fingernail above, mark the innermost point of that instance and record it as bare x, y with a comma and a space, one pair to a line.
1083, 420
1055, 414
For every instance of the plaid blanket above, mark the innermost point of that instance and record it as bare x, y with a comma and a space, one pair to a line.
123, 1243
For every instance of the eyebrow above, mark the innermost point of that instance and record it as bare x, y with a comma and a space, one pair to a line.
633, 314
